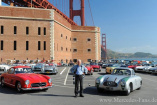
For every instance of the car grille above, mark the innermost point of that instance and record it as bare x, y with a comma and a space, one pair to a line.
110, 83
153, 71
37, 69
48, 70
38, 84
139, 69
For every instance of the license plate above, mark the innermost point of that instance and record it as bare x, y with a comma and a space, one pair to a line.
48, 72
107, 88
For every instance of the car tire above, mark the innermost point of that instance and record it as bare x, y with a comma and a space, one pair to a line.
140, 86
126, 93
2, 82
45, 89
99, 89
91, 73
18, 87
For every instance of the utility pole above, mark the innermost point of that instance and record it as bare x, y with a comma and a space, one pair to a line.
31, 3
104, 45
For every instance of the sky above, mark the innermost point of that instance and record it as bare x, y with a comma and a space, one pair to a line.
130, 25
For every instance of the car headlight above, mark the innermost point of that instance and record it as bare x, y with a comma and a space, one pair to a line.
27, 82
50, 80
122, 83
97, 80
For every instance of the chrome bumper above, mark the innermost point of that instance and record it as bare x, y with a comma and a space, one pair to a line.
96, 69
36, 88
109, 88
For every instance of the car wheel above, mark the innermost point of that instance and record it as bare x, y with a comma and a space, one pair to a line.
100, 70
18, 87
91, 73
2, 82
45, 89
99, 89
140, 86
128, 91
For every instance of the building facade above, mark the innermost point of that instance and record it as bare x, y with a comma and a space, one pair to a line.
32, 33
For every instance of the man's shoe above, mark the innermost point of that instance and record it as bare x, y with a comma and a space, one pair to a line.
75, 95
81, 95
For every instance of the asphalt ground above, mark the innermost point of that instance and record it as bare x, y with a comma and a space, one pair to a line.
62, 92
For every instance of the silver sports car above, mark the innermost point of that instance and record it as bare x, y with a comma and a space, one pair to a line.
121, 79
49, 70
45, 68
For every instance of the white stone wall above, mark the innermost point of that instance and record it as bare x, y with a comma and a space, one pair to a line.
0, 2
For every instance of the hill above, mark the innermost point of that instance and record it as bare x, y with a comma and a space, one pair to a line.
112, 54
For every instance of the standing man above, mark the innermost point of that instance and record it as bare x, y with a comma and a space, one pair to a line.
79, 71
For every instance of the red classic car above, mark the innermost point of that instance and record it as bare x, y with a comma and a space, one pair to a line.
59, 64
23, 78
90, 69
95, 66
134, 66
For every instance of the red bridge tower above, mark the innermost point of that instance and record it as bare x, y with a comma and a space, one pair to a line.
77, 12
103, 45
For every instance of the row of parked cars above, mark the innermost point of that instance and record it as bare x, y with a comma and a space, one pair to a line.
93, 67
50, 68
148, 68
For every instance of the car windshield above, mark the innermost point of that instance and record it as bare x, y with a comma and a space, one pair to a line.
110, 65
121, 72
87, 65
116, 65
23, 70
148, 65
94, 64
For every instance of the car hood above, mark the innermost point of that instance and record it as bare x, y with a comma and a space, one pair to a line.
111, 67
115, 78
88, 67
49, 68
32, 77
131, 66
142, 67
153, 68
95, 66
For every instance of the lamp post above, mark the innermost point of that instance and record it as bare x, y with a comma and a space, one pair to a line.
31, 3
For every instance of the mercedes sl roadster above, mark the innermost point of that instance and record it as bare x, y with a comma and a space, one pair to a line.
144, 68
22, 78
121, 79
90, 69
95, 67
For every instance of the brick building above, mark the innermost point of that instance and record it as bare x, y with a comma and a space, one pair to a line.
32, 33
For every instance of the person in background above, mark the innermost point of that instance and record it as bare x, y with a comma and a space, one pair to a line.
79, 71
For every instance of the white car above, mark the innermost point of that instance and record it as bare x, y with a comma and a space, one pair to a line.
144, 68
4, 67
32, 65
121, 79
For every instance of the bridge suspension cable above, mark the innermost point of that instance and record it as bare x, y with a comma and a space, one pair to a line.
91, 12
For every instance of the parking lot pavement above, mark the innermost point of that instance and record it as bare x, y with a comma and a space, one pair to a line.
62, 92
